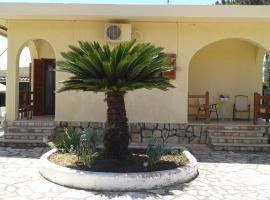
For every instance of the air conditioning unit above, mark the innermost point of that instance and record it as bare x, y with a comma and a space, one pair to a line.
117, 32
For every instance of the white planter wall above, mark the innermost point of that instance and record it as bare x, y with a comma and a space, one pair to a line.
104, 181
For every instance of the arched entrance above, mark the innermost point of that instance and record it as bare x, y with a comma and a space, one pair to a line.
36, 62
3, 69
227, 67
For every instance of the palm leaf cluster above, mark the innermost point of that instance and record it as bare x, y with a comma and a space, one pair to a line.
128, 66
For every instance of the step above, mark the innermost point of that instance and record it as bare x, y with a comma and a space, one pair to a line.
232, 139
26, 137
236, 127
21, 133
240, 147
242, 127
23, 140
22, 143
16, 129
32, 123
237, 133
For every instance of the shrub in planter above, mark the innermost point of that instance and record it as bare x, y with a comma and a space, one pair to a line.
154, 151
87, 151
88, 139
70, 142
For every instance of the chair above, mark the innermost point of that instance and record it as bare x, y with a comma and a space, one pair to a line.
241, 105
261, 107
26, 109
202, 108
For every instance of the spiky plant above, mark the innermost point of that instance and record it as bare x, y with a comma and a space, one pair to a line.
114, 71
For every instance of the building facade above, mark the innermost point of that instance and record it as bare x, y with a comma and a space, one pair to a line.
219, 49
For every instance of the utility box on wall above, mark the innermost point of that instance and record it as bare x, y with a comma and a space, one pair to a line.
117, 32
172, 74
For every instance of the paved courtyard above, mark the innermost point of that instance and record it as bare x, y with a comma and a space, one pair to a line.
223, 176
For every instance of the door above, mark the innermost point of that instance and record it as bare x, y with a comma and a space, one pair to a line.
49, 87
44, 87
39, 87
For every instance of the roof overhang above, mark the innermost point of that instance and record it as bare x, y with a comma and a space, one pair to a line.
44, 11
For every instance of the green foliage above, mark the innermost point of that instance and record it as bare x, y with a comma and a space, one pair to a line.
154, 151
87, 151
243, 2
174, 152
70, 142
127, 66
266, 72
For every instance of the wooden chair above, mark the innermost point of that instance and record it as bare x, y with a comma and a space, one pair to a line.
26, 109
212, 108
202, 105
261, 107
241, 105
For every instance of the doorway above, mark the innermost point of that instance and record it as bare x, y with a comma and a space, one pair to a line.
44, 87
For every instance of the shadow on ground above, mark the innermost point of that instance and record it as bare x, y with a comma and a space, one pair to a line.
151, 194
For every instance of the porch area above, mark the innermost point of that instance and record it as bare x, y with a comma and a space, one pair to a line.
219, 135
226, 82
201, 111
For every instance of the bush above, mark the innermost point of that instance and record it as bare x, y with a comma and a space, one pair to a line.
70, 142
88, 140
154, 151
87, 151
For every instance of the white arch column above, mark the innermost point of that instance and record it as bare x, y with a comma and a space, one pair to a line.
12, 92
182, 69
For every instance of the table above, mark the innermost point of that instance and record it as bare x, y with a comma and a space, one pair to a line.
223, 102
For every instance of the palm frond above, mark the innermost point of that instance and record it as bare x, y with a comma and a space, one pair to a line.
128, 66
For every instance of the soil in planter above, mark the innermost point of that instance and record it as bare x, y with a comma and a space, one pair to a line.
134, 163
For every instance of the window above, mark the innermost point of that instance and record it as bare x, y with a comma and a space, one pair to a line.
25, 57
3, 52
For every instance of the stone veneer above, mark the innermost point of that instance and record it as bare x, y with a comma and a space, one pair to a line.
142, 132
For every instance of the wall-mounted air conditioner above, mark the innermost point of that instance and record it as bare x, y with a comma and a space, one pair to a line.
117, 32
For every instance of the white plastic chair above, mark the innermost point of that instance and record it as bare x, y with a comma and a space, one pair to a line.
241, 104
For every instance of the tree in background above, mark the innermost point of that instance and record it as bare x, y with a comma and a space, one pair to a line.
266, 71
243, 2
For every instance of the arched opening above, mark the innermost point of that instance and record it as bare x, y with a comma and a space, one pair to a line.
36, 62
225, 69
25, 57
3, 69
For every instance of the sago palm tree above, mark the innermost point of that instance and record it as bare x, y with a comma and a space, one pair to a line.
114, 71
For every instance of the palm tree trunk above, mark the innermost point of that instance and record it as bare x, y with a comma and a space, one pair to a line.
116, 137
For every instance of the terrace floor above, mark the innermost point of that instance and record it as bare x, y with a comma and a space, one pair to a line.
223, 175
230, 122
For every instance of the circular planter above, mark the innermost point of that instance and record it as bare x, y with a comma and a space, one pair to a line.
107, 181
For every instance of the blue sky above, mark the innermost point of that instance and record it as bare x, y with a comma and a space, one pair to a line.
191, 2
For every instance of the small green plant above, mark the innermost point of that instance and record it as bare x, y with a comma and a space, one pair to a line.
87, 151
154, 151
70, 142
174, 152
88, 139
